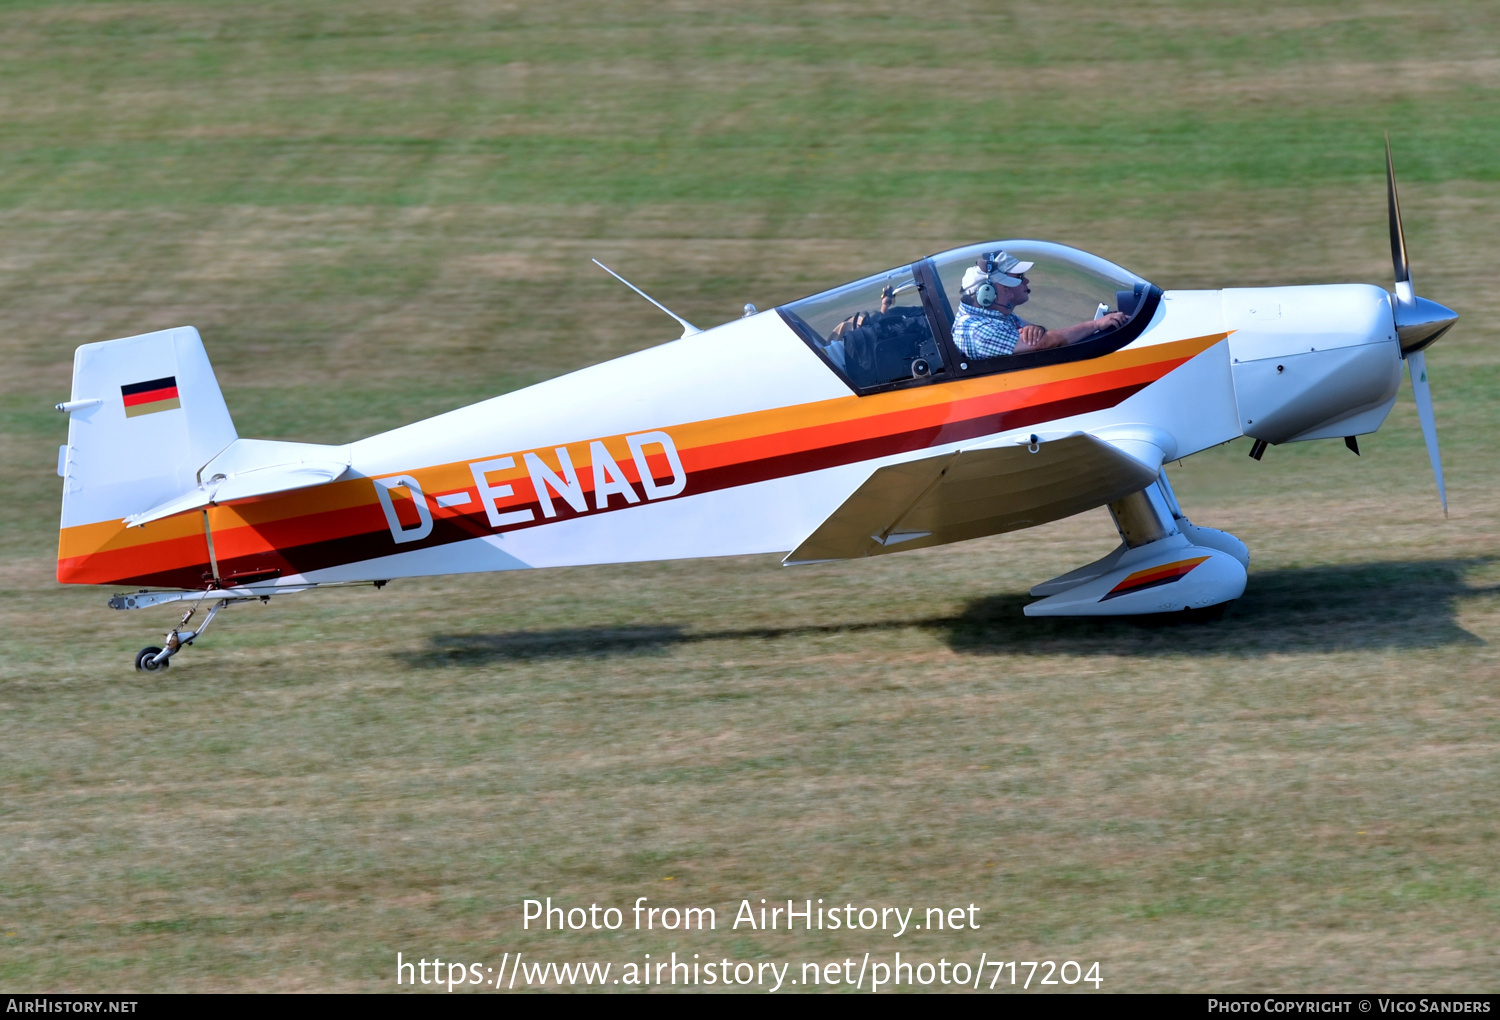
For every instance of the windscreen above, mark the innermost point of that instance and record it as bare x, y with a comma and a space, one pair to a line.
875, 331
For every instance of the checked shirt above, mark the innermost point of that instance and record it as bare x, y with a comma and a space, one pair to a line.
984, 332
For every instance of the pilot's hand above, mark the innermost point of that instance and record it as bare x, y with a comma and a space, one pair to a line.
1111, 320
887, 298
1032, 335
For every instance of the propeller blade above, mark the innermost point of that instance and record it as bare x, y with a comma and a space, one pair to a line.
1398, 236
1417, 362
1418, 323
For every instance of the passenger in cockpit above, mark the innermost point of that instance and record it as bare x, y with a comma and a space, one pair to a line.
987, 325
887, 302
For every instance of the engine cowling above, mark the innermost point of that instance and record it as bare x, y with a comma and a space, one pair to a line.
1312, 362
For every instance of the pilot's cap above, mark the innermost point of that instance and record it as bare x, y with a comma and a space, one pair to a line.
998, 267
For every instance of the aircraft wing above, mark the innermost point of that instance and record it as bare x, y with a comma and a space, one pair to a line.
974, 492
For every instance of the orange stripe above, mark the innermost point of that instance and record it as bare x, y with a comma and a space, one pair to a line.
342, 509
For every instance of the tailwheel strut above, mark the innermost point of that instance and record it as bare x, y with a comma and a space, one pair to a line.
151, 658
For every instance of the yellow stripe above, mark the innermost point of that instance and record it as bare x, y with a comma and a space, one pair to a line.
106, 536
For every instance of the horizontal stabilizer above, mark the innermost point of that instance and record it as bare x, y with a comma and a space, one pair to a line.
970, 493
251, 468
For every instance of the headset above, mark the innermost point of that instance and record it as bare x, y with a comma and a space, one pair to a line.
985, 293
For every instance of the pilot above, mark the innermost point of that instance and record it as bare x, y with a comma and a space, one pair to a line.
987, 325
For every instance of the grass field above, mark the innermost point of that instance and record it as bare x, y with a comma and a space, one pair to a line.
374, 212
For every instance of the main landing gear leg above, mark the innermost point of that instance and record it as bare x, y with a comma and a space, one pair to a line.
1163, 564
150, 659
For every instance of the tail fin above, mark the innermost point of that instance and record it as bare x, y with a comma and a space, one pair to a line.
146, 414
159, 418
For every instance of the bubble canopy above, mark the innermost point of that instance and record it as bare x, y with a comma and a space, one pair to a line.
894, 329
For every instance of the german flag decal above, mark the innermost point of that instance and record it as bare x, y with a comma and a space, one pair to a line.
1153, 577
150, 396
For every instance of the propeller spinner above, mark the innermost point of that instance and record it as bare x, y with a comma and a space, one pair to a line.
1418, 323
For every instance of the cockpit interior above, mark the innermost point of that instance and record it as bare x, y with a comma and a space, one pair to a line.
895, 329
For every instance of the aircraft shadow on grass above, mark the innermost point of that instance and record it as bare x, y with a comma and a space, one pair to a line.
1353, 607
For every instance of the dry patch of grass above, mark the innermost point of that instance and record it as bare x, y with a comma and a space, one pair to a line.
1276, 801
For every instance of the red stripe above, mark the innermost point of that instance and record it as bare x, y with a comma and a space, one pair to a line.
169, 563
1159, 575
316, 541
311, 542
151, 396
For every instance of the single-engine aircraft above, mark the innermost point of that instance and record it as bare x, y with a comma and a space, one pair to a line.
860, 421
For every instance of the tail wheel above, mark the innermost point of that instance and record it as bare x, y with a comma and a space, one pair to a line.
145, 660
